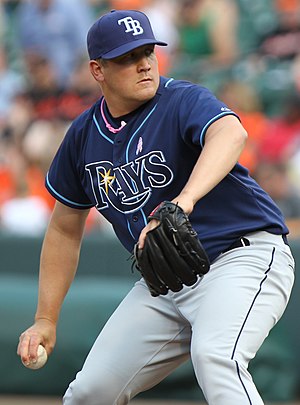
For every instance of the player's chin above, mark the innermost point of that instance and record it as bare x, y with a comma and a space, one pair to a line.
145, 93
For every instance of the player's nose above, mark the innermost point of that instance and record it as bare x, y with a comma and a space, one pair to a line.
143, 64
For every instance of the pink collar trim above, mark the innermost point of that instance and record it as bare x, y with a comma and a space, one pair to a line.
107, 124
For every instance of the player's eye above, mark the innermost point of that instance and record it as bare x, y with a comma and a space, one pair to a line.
149, 51
127, 58
130, 56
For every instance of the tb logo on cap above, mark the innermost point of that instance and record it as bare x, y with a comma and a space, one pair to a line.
131, 25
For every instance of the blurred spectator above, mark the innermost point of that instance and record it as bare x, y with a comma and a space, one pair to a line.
2, 23
18, 118
26, 159
284, 41
24, 162
42, 87
40, 143
207, 34
24, 214
295, 72
163, 16
289, 6
36, 116
245, 101
127, 4
98, 7
55, 30
82, 92
8, 26
274, 178
8, 152
11, 84
293, 160
53, 83
48, 100
282, 132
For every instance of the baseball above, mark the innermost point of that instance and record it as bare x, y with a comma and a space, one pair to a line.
41, 359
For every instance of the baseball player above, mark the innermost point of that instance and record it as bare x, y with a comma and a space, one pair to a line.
149, 139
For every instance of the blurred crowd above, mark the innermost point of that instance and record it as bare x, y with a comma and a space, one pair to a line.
246, 52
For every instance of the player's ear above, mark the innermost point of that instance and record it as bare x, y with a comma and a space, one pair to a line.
96, 70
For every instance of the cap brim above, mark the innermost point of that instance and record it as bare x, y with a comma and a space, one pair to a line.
121, 50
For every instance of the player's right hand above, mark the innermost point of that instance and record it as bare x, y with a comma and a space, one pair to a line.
43, 332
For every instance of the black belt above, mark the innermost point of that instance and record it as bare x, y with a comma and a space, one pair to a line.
242, 242
285, 239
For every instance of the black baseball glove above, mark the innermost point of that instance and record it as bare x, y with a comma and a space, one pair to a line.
172, 255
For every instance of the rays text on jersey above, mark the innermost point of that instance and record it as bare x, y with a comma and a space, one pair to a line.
128, 187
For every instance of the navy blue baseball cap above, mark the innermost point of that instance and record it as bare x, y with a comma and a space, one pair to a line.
119, 32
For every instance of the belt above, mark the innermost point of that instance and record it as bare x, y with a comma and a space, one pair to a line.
242, 242
285, 240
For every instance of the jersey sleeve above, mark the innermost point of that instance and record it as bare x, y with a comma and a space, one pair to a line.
199, 109
63, 178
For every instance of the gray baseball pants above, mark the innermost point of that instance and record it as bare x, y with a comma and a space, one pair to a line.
220, 323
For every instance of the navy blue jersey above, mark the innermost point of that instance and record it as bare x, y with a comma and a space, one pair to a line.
128, 173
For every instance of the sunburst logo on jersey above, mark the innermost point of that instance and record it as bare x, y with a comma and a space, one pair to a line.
107, 179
